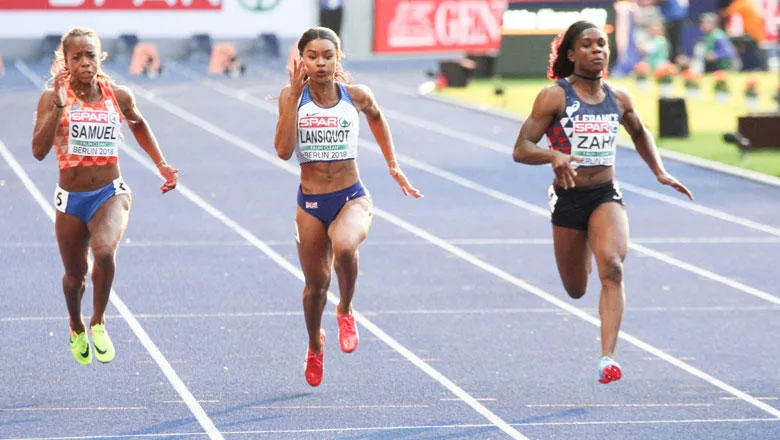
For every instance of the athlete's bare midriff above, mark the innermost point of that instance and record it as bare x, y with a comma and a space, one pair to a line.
591, 176
80, 179
327, 177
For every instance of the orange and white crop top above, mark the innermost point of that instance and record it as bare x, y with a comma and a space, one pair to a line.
89, 134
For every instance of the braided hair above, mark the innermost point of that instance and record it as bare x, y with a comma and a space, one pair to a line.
560, 64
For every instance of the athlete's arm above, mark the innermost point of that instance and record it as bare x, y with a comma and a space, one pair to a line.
365, 102
548, 104
287, 125
644, 142
142, 133
47, 117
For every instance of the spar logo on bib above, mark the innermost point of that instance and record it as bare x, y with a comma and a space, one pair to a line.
100, 117
318, 122
93, 133
595, 135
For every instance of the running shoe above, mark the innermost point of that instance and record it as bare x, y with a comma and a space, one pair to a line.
79, 346
104, 348
609, 370
348, 334
314, 364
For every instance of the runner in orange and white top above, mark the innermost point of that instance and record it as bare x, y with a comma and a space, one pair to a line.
80, 116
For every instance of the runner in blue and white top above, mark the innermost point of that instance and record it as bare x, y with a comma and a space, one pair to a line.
327, 134
318, 120
580, 114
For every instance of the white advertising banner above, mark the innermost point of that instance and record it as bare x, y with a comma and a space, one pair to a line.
157, 18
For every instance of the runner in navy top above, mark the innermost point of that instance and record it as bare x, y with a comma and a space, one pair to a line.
581, 115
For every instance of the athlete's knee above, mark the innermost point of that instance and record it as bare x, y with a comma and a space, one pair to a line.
611, 271
317, 289
344, 254
74, 283
576, 291
104, 255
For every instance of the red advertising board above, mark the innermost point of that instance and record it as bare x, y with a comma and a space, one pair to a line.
437, 25
63, 5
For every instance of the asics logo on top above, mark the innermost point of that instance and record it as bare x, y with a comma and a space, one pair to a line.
571, 109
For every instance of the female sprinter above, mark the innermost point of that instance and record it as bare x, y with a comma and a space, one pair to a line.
318, 120
80, 116
581, 115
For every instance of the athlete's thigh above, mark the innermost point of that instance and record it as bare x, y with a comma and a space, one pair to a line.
573, 256
351, 225
73, 241
608, 232
109, 222
314, 248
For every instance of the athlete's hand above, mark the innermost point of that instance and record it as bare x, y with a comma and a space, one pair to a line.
406, 186
60, 89
564, 173
170, 174
298, 77
667, 179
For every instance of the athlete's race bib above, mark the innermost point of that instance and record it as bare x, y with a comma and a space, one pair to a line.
324, 138
594, 138
93, 133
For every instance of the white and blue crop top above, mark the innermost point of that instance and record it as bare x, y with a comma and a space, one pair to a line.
327, 134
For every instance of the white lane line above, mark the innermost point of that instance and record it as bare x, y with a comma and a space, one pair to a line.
456, 251
505, 149
146, 341
55, 409
624, 143
32, 76
619, 405
284, 263
676, 201
498, 147
546, 213
425, 312
459, 241
277, 433
461, 181
386, 406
